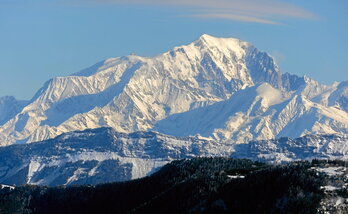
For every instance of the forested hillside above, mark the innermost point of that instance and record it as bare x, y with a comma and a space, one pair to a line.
199, 185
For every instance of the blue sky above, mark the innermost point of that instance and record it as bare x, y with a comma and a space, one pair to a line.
41, 39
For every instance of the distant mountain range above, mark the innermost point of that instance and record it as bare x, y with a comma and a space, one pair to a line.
125, 117
218, 88
104, 155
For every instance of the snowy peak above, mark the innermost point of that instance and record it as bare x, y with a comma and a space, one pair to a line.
224, 45
226, 75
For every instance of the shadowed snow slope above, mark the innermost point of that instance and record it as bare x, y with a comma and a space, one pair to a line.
9, 107
257, 113
104, 155
97, 156
221, 88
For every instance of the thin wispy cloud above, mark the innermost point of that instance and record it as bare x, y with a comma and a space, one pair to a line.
258, 11
234, 17
273, 12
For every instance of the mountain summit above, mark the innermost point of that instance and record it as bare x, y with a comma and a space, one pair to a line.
224, 89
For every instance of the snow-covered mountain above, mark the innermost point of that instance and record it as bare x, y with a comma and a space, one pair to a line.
97, 156
257, 113
304, 148
220, 88
104, 155
9, 107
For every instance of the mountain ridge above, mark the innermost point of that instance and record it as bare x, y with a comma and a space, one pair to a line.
104, 155
135, 93
9, 107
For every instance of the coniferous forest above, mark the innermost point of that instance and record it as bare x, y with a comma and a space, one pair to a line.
199, 185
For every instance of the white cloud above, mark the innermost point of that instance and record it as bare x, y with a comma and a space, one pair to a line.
259, 11
278, 56
236, 17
